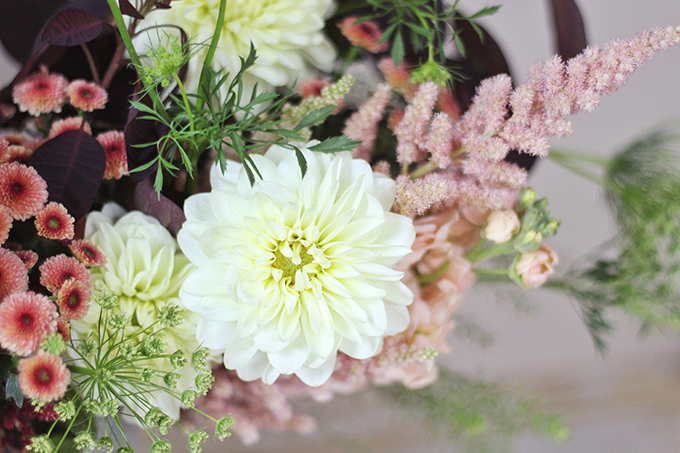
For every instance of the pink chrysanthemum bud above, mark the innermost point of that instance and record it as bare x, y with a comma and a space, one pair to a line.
22, 190
5, 224
54, 222
73, 300
60, 268
28, 257
87, 96
19, 154
365, 34
43, 377
25, 319
88, 253
13, 274
73, 123
113, 143
41, 93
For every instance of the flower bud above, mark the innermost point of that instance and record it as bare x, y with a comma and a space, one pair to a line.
528, 240
501, 226
526, 197
532, 269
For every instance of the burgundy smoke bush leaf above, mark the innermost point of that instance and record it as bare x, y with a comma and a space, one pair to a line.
72, 27
140, 132
159, 206
129, 10
73, 165
163, 4
570, 33
21, 22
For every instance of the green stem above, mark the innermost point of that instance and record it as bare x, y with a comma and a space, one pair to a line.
492, 271
489, 252
574, 168
134, 57
186, 101
212, 48
571, 155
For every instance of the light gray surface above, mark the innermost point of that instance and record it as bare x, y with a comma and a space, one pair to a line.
628, 402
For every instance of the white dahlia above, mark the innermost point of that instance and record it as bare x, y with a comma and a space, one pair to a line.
293, 269
287, 34
145, 270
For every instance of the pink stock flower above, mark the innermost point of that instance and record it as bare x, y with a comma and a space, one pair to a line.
365, 34
532, 269
41, 93
22, 190
43, 377
25, 319
87, 96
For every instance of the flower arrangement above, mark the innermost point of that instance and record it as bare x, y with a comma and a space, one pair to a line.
210, 208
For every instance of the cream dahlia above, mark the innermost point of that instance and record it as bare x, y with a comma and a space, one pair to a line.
145, 270
293, 269
288, 36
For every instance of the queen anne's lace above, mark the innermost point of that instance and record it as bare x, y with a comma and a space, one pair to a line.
293, 269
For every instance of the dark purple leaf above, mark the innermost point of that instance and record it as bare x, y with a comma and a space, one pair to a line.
570, 33
129, 10
140, 132
73, 165
163, 4
159, 206
72, 27
21, 23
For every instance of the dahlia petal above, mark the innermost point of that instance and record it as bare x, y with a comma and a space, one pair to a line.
291, 358
314, 377
367, 347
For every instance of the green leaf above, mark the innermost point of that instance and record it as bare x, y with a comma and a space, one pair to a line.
335, 145
286, 133
12, 389
302, 162
487, 11
398, 49
315, 117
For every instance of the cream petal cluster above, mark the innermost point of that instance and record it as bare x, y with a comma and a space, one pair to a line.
293, 269
288, 36
145, 270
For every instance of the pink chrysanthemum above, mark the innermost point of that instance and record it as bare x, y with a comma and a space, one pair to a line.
57, 269
5, 224
22, 190
88, 253
25, 319
113, 143
365, 34
13, 274
41, 93
7, 111
28, 257
4, 150
43, 377
18, 153
86, 95
54, 222
64, 329
73, 300
73, 123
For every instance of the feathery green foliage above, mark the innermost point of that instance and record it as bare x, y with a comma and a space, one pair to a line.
479, 416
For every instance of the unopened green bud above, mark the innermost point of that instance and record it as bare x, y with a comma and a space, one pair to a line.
54, 343
526, 197
66, 410
106, 300
105, 443
161, 447
87, 347
431, 71
41, 444
178, 360
196, 439
551, 228
127, 351
83, 440
199, 359
189, 397
153, 416
146, 374
171, 379
118, 321
164, 423
170, 315
222, 427
204, 381
527, 241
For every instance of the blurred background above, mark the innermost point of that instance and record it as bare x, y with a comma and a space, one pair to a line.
625, 402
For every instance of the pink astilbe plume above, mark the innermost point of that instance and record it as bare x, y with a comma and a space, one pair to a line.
524, 119
441, 140
363, 124
415, 197
412, 129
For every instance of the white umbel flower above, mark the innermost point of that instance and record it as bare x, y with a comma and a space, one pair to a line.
287, 34
145, 270
292, 269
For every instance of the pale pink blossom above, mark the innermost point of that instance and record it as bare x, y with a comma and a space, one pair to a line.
533, 268
363, 124
412, 129
501, 226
